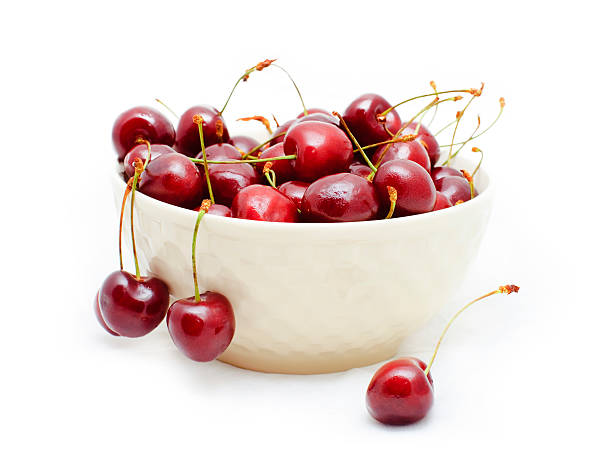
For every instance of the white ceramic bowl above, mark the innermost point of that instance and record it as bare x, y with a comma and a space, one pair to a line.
313, 298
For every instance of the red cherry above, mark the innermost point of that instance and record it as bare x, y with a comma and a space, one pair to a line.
228, 179
133, 307
202, 330
99, 315
173, 179
455, 188
221, 152
320, 148
429, 141
359, 169
318, 117
313, 111
416, 192
442, 202
142, 152
281, 129
294, 190
217, 209
138, 123
361, 118
260, 202
400, 392
438, 172
410, 150
244, 143
283, 169
187, 135
340, 197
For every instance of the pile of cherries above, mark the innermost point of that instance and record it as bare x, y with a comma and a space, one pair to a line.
318, 167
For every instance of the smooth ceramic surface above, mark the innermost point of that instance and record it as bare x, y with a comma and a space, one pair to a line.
314, 298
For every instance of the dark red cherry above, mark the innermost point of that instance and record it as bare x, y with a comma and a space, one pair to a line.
429, 141
141, 152
202, 330
455, 188
320, 148
294, 190
133, 307
410, 150
141, 122
340, 197
361, 118
282, 168
359, 169
217, 209
99, 315
281, 129
173, 179
261, 202
313, 111
221, 152
228, 179
399, 392
243, 143
187, 135
318, 117
438, 172
416, 192
442, 202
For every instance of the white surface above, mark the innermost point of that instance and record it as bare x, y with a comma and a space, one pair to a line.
517, 375
312, 298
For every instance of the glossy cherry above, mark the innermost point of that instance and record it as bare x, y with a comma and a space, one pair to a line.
342, 197
228, 179
187, 135
416, 192
283, 169
217, 209
400, 392
455, 188
203, 329
429, 141
442, 202
243, 143
139, 123
320, 148
173, 179
359, 169
280, 130
409, 150
361, 118
261, 202
438, 172
318, 117
133, 307
141, 151
313, 111
99, 315
294, 190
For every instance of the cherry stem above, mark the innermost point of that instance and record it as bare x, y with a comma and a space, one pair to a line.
464, 142
255, 160
203, 210
459, 117
270, 174
245, 76
256, 148
128, 189
393, 198
167, 107
388, 110
476, 149
504, 289
294, 85
470, 179
363, 154
198, 120
444, 128
404, 138
433, 85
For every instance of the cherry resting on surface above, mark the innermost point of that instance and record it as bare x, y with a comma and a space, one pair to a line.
416, 192
202, 330
99, 315
361, 118
294, 190
409, 150
139, 123
340, 197
400, 392
455, 188
187, 135
320, 149
133, 307
173, 179
260, 202
141, 151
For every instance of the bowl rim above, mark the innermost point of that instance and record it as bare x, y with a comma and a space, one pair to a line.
182, 215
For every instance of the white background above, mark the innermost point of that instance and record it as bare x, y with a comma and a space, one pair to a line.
524, 373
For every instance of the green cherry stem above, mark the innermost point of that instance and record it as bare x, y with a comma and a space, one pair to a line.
269, 173
255, 160
139, 168
198, 120
504, 289
203, 210
433, 86
245, 76
256, 148
294, 85
436, 93
167, 108
363, 154
128, 189
476, 149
